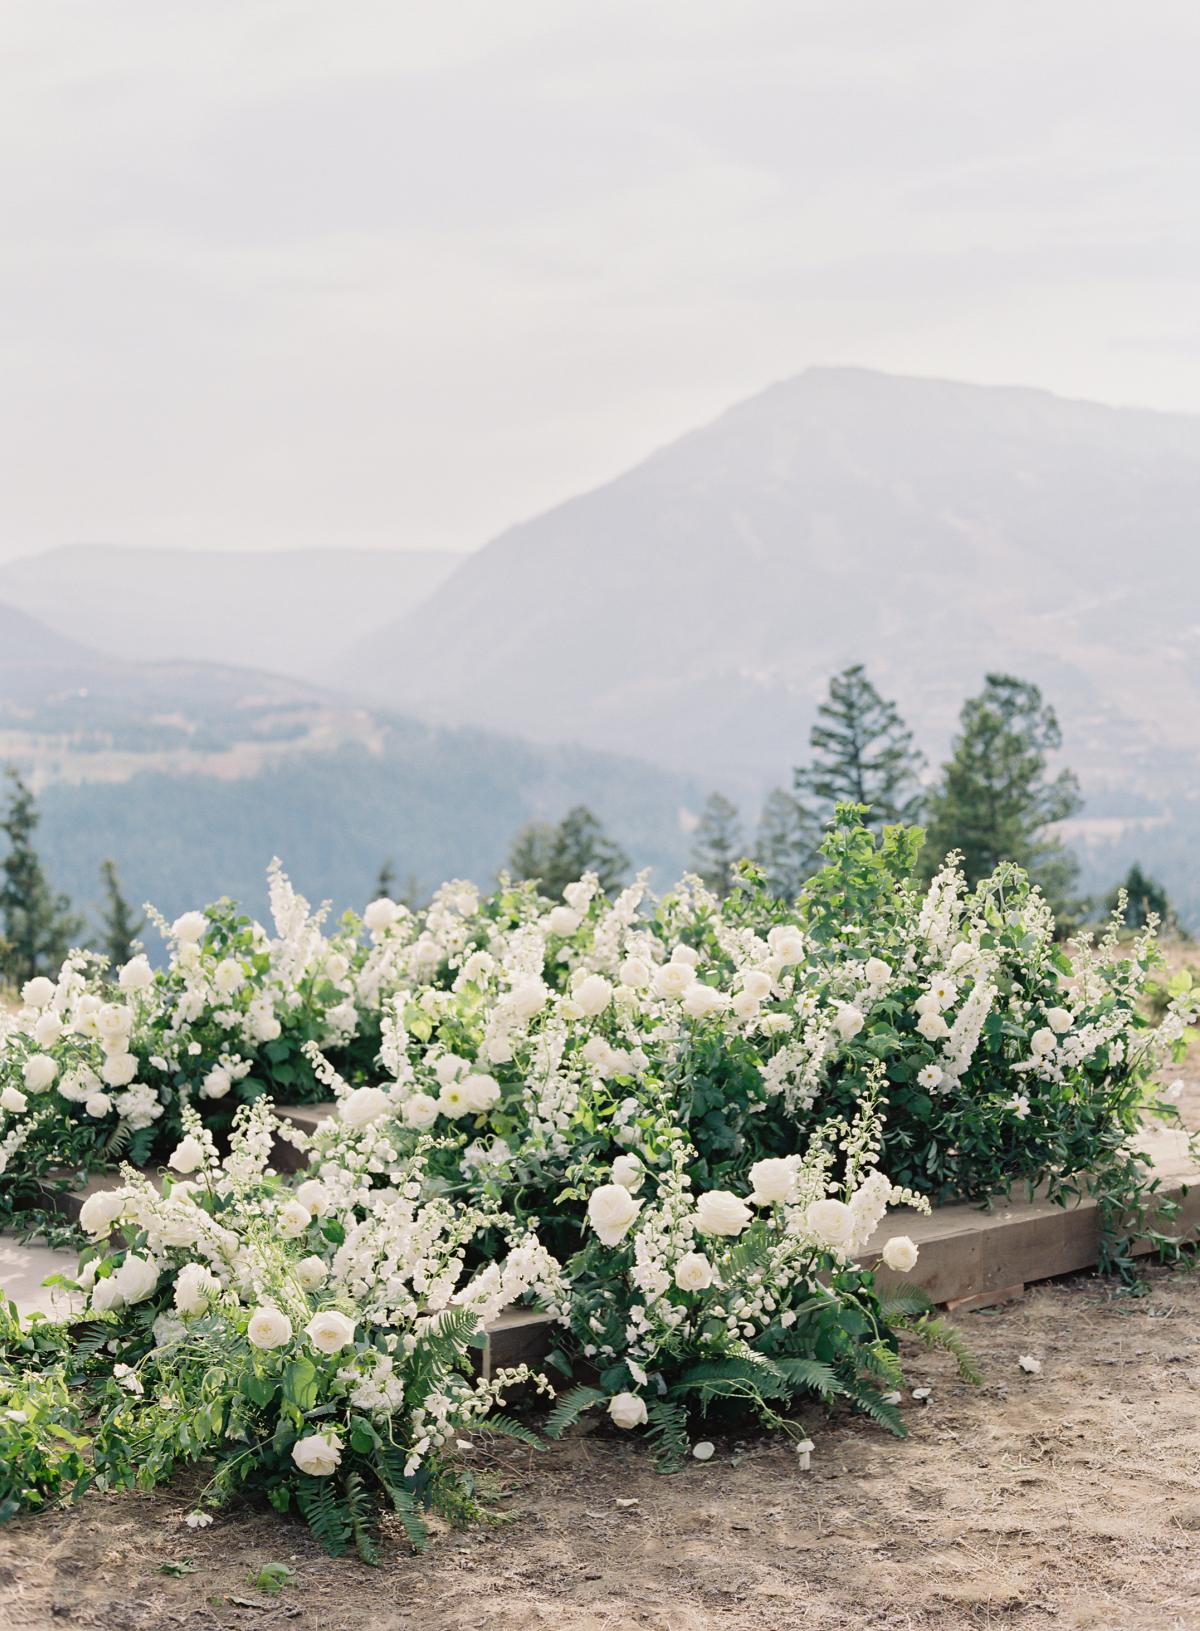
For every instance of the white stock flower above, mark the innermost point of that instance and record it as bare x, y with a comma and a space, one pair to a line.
772, 1180
900, 1254
693, 1272
190, 928
329, 1331
39, 1072
627, 1410
719, 1212
269, 1327
611, 1211
363, 1105
318, 1454
629, 1172
187, 1155
831, 1221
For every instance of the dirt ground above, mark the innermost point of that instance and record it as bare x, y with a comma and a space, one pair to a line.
1069, 1498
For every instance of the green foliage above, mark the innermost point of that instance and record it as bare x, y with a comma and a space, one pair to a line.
786, 846
717, 844
43, 1447
554, 856
37, 925
863, 753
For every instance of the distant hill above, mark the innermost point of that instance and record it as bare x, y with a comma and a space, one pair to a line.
280, 610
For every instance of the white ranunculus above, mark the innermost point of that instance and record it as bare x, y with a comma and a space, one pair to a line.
39, 1072
269, 1327
48, 1029
847, 1020
593, 995
420, 1111
693, 1272
313, 1195
611, 1210
787, 944
36, 993
318, 1454
312, 1273
480, 1091
190, 928
634, 972
136, 1279
97, 1104
831, 1221
671, 980
381, 914
187, 1155
900, 1253
292, 1219
228, 976
720, 1212
627, 1410
629, 1172
561, 920
1060, 1019
195, 1287
119, 1069
756, 984
137, 975
13, 1100
878, 972
363, 1105
329, 1331
1043, 1042
932, 1026
772, 1180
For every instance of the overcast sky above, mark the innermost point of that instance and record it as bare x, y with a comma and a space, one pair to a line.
388, 274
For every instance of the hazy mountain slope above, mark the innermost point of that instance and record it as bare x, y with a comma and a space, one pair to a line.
283, 611
692, 610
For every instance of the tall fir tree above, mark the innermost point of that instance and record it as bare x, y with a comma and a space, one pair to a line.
1144, 897
862, 753
385, 882
120, 925
37, 925
556, 855
786, 843
996, 800
717, 843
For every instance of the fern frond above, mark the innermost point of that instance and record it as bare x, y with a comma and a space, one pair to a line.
733, 1377
362, 1519
666, 1427
326, 1515
409, 1513
569, 1408
935, 1331
904, 1302
506, 1427
810, 1373
871, 1404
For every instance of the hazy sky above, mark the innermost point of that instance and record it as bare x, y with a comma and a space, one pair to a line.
346, 272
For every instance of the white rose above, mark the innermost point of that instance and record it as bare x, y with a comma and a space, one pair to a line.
634, 972
878, 972
611, 1210
932, 1026
700, 1001
216, 1084
772, 1180
189, 928
100, 1211
49, 1028
13, 1100
756, 984
420, 1111
693, 1272
381, 914
318, 1455
329, 1331
106, 1295
688, 955
292, 1219
311, 1273
136, 1279
137, 975
831, 1221
36, 993
269, 1328
1043, 1042
363, 1105
627, 1410
480, 1091
847, 1020
628, 1171
787, 943
745, 1005
593, 995
313, 1195
528, 997
187, 1155
97, 1104
449, 1067
114, 1019
671, 980
40, 1070
718, 1212
900, 1253
228, 976
119, 1069
78, 1085
1060, 1019
927, 1003
195, 1287
561, 920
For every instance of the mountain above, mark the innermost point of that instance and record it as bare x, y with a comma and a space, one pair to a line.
283, 611
692, 610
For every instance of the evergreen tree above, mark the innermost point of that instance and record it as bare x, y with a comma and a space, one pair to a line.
119, 925
556, 855
717, 844
862, 753
385, 883
1146, 898
37, 925
786, 845
996, 801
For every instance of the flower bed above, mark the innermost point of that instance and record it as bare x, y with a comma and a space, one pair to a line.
671, 1124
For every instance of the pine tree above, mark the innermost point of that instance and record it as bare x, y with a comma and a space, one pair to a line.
385, 883
119, 926
557, 855
995, 800
863, 753
37, 925
717, 844
1146, 897
786, 845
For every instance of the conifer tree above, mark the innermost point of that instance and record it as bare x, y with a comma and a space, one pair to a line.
1145, 897
37, 925
119, 924
717, 844
786, 844
556, 855
385, 882
862, 753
